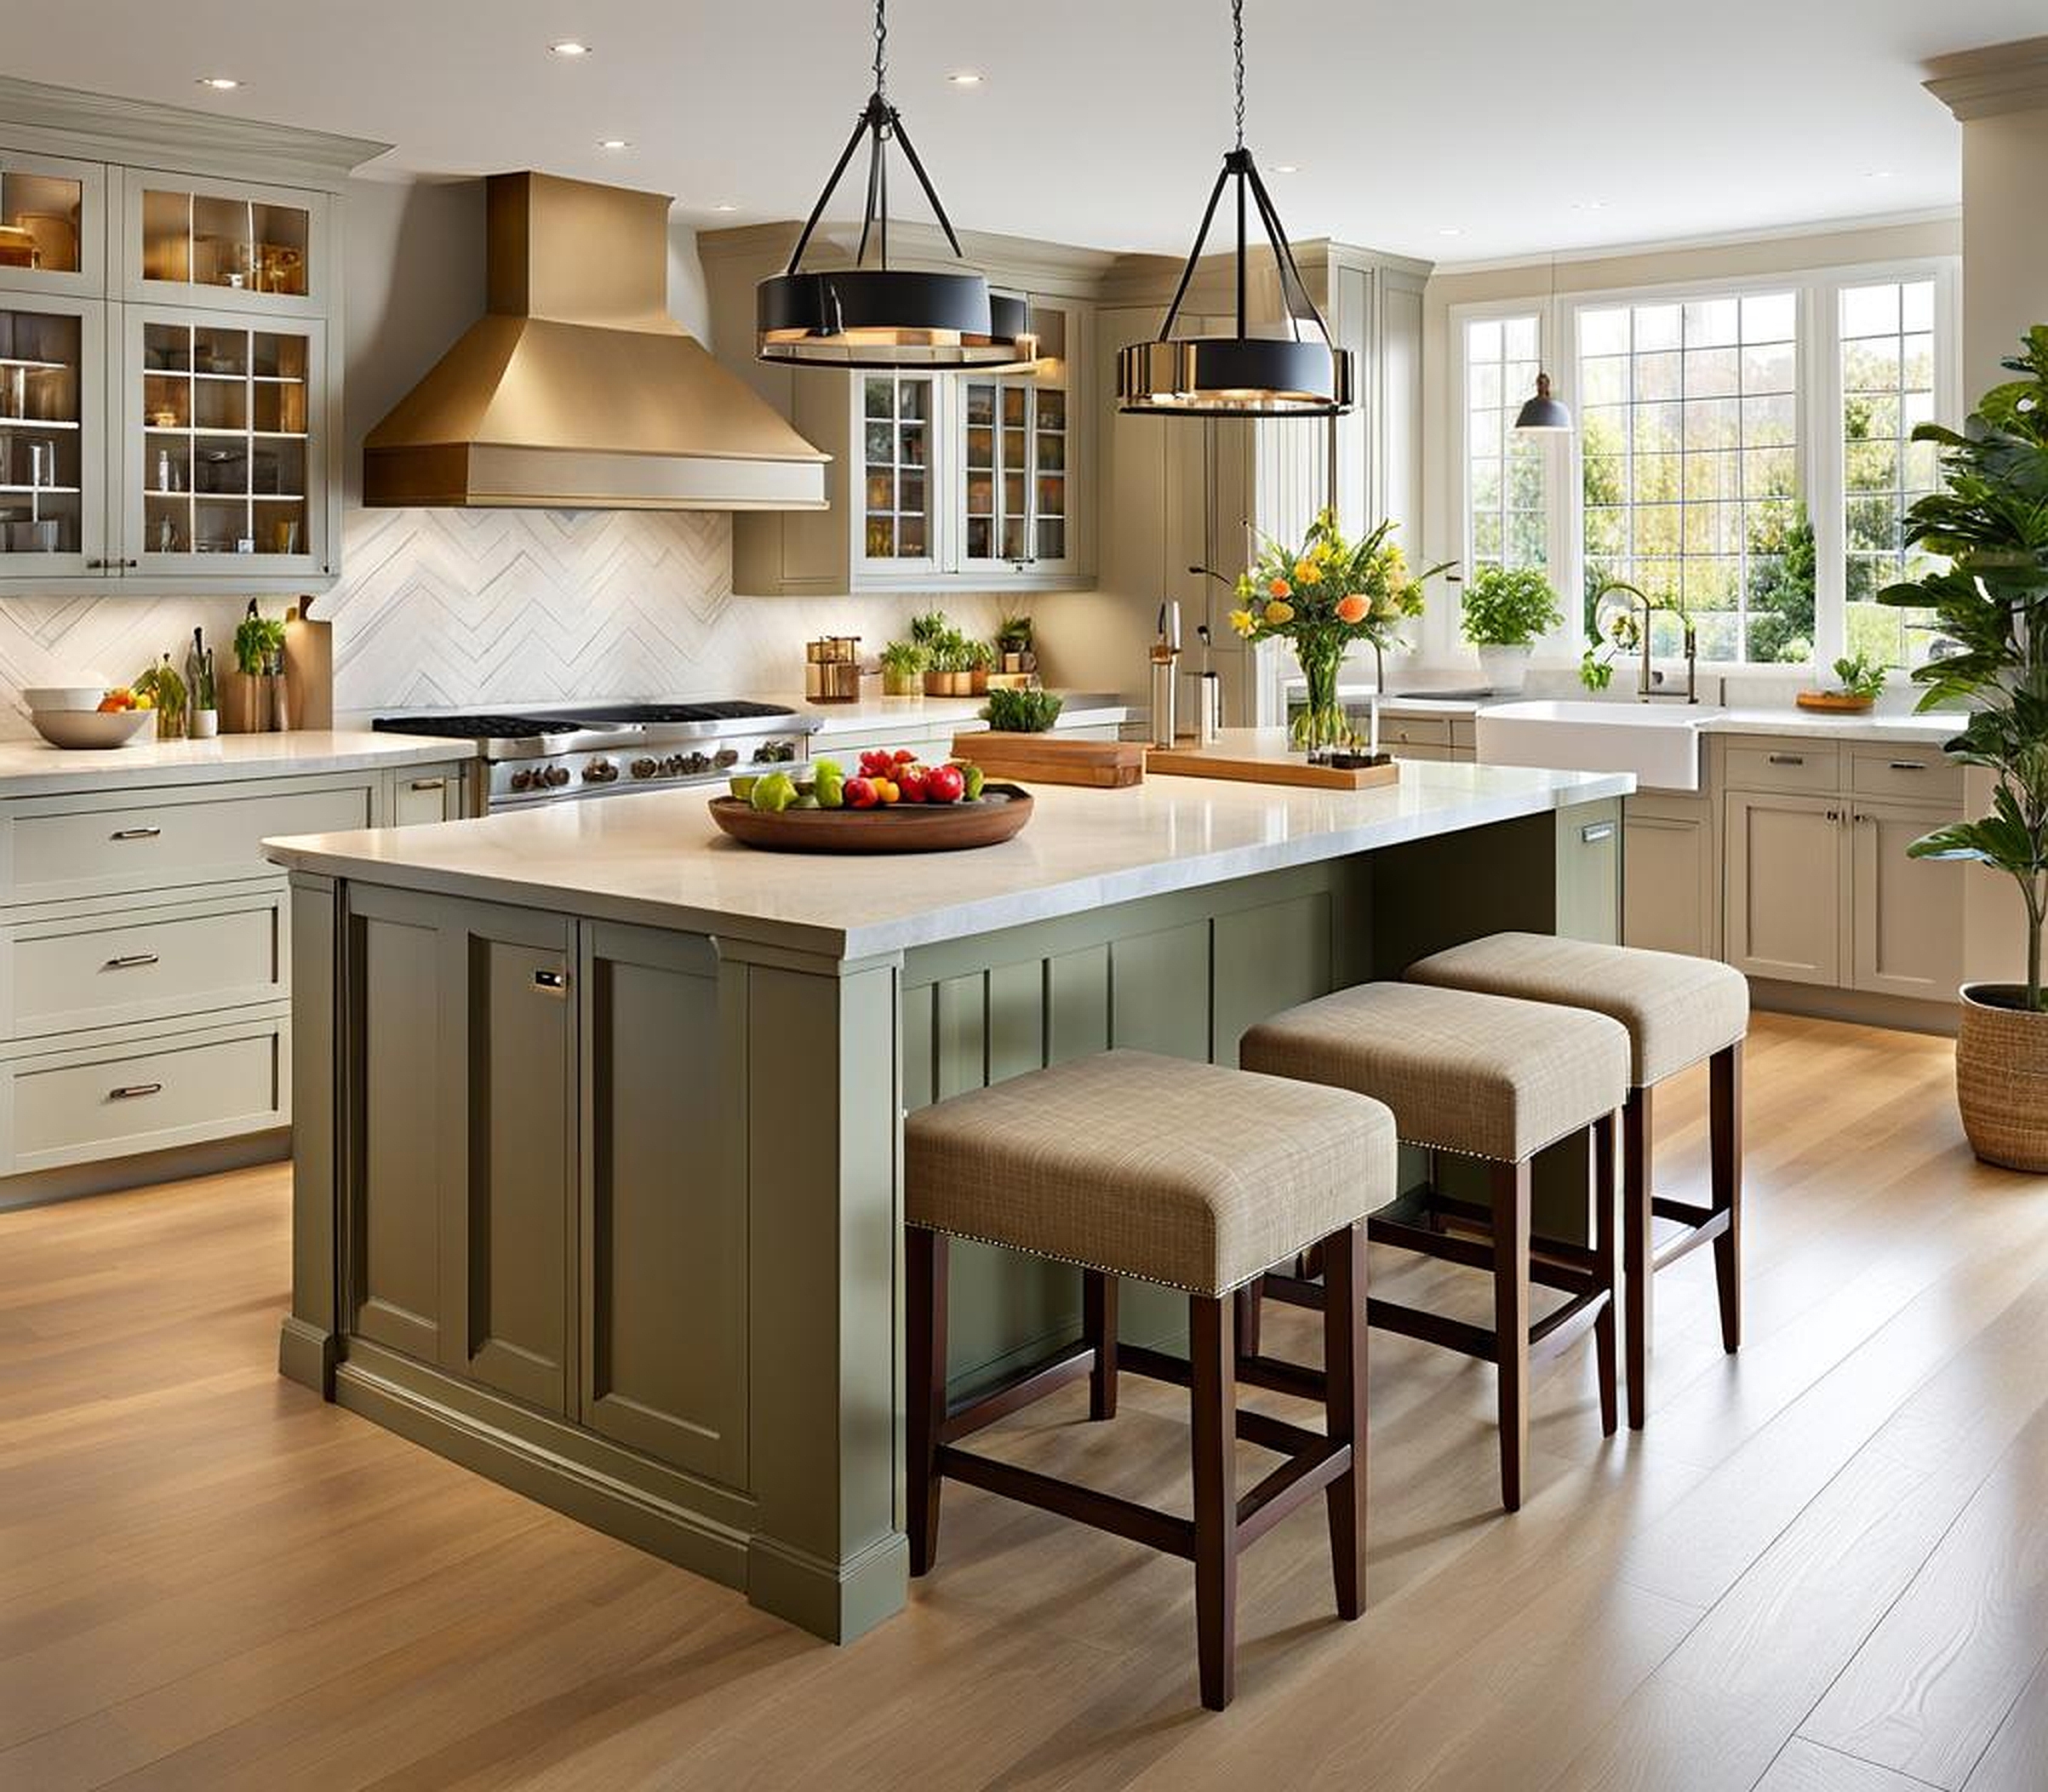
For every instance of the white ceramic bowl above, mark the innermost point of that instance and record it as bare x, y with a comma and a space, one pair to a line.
64, 697
88, 729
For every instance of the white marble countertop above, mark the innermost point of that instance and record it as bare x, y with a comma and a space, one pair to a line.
660, 861
1897, 728
921, 715
35, 768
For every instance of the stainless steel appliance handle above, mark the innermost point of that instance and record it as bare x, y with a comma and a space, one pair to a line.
1595, 832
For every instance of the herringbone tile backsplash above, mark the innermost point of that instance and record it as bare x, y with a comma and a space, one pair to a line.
440, 608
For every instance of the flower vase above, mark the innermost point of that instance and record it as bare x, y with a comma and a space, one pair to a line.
1321, 726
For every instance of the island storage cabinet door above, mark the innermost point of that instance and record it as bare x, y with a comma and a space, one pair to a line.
461, 1209
663, 1298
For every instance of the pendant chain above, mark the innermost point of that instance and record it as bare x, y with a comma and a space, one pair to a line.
881, 44
1237, 20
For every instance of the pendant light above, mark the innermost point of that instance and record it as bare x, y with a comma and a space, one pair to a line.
1543, 413
882, 317
1240, 374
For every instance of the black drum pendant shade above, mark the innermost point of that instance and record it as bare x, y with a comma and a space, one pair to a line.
883, 317
1242, 375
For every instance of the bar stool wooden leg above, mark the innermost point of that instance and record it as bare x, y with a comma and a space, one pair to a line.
1724, 1106
1344, 1409
1511, 1202
1099, 1328
1636, 1266
1212, 1355
1605, 1262
925, 1254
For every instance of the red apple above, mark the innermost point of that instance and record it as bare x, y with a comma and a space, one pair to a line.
944, 784
860, 794
912, 784
876, 763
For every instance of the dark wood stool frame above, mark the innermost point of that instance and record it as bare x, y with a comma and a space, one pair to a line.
1331, 1462
1720, 1222
1497, 1239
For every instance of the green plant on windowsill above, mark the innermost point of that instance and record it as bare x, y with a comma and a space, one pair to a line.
1020, 712
1991, 606
1860, 675
1509, 607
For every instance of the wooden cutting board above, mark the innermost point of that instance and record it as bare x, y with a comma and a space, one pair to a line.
1192, 762
1038, 758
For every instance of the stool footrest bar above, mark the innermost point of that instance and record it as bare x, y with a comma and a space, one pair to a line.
1069, 1364
1123, 1518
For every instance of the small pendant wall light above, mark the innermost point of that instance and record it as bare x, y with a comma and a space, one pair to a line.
882, 317
1240, 374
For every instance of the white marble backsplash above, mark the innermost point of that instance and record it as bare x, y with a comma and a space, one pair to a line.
447, 607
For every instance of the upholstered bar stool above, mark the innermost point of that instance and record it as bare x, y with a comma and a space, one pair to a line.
1186, 1174
1481, 1077
1680, 1011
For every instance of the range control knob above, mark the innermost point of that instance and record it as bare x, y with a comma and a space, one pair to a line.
557, 775
727, 756
695, 763
521, 780
785, 751
600, 771
645, 768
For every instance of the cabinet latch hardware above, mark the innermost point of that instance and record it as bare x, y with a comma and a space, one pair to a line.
132, 960
134, 833
1909, 765
552, 982
1834, 814
128, 1093
1597, 831
1787, 758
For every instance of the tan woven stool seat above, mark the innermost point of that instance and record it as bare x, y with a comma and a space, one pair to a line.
1680, 1011
1474, 1074
1487, 1076
1189, 1176
1179, 1173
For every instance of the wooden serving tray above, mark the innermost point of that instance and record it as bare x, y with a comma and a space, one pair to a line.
1001, 811
1104, 764
1835, 702
1190, 762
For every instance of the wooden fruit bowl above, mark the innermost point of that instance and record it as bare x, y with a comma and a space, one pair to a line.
1000, 811
1835, 702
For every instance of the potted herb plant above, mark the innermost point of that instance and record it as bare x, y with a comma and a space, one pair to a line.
1990, 606
1020, 712
980, 659
1013, 642
245, 693
902, 669
1506, 610
1859, 682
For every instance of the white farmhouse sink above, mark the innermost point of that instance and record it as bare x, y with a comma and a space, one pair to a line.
1659, 743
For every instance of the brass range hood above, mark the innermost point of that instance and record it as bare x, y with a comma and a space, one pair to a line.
576, 390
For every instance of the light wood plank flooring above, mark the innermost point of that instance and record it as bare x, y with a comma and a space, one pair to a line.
1823, 1568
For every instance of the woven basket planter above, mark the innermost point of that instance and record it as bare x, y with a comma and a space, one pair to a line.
2001, 1076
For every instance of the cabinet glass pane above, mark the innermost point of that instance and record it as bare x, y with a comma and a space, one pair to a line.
226, 441
41, 223
896, 446
41, 471
205, 240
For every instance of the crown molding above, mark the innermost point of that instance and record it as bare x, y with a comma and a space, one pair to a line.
142, 133
1819, 228
2001, 77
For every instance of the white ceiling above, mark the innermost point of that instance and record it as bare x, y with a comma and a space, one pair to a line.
1459, 130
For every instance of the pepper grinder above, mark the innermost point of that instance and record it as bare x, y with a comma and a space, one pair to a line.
1165, 652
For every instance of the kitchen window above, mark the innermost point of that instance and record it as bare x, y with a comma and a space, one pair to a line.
1506, 476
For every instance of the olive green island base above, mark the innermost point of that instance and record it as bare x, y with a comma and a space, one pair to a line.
597, 1182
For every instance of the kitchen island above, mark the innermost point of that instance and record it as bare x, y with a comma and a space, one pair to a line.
598, 1167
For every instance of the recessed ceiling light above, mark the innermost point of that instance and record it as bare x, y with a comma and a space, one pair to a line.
1879, 173
568, 47
965, 78
1450, 229
1287, 168
220, 84
727, 208
1590, 205
613, 143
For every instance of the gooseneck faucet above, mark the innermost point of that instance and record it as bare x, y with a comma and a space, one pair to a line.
1649, 680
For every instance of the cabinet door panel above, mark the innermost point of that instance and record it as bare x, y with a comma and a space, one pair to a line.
53, 460
664, 1280
1665, 884
1784, 861
396, 1279
516, 1173
1908, 912
1159, 993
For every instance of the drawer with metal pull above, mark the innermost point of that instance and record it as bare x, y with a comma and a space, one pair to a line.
106, 965
1787, 764
76, 1105
56, 847
1918, 774
1396, 732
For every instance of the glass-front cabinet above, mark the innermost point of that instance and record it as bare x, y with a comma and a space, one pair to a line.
1015, 497
53, 225
223, 443
899, 522
53, 496
224, 245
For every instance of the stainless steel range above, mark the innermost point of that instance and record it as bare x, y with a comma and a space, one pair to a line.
567, 752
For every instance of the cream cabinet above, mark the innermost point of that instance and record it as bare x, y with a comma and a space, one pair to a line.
1668, 887
1818, 886
166, 386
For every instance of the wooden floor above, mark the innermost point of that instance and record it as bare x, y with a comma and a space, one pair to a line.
1823, 1568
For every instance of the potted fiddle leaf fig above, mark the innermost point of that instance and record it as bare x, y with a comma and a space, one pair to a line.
1506, 610
1990, 606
